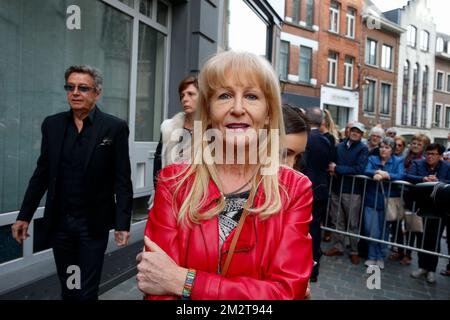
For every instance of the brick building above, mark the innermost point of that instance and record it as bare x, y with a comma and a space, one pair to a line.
298, 64
338, 58
378, 70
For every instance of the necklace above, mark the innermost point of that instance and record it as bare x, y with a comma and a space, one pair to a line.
238, 189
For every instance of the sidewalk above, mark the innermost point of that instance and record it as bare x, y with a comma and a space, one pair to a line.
341, 280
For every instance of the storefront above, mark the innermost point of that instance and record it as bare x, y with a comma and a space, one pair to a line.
342, 104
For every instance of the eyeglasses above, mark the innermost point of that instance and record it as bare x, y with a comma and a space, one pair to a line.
432, 154
82, 88
399, 145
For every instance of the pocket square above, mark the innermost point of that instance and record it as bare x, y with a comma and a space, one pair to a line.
106, 142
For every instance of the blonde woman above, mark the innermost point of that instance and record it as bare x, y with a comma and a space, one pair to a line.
233, 230
328, 128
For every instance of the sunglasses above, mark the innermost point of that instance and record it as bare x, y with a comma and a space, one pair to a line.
82, 88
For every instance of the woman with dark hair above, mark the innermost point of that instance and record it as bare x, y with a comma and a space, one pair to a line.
183, 122
297, 130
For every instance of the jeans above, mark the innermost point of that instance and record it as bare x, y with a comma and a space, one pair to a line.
375, 227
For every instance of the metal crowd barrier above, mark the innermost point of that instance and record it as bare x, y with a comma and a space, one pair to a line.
404, 187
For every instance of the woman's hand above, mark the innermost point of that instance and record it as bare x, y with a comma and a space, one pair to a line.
377, 177
158, 274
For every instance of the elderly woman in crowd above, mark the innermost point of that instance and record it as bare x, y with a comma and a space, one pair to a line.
373, 142
385, 167
231, 228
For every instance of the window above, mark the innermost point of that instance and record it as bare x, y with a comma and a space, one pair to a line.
369, 96
439, 45
411, 36
448, 82
385, 98
424, 40
371, 52
40, 79
351, 13
423, 118
334, 17
295, 11
447, 117
405, 93
339, 114
437, 115
309, 12
348, 66
305, 64
448, 47
415, 94
332, 68
386, 57
440, 81
284, 60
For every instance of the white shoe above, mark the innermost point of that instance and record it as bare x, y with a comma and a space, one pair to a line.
370, 263
380, 264
431, 277
418, 273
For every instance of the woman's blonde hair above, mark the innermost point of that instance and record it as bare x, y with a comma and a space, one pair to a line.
331, 127
246, 69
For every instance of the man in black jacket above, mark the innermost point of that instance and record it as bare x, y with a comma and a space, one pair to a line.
84, 166
318, 154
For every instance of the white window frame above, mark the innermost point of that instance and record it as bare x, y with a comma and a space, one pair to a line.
310, 64
438, 125
333, 62
443, 80
374, 96
382, 100
334, 17
447, 87
368, 55
411, 41
351, 22
348, 70
448, 47
440, 45
446, 119
287, 60
384, 48
424, 40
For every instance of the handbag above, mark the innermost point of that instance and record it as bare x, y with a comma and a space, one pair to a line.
413, 222
394, 210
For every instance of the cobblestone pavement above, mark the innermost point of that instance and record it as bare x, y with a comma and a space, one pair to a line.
341, 280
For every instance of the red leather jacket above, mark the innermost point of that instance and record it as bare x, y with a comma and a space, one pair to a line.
272, 259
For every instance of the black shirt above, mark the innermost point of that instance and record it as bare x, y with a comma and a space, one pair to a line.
71, 194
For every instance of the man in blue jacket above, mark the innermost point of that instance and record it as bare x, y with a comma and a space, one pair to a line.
351, 159
430, 169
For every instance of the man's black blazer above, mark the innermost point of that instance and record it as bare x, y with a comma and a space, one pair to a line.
107, 174
318, 154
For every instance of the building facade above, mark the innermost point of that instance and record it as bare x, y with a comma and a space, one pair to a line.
377, 73
441, 112
339, 55
416, 65
143, 47
298, 56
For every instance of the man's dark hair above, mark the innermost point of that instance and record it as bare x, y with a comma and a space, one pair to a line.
436, 146
93, 72
315, 116
294, 120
